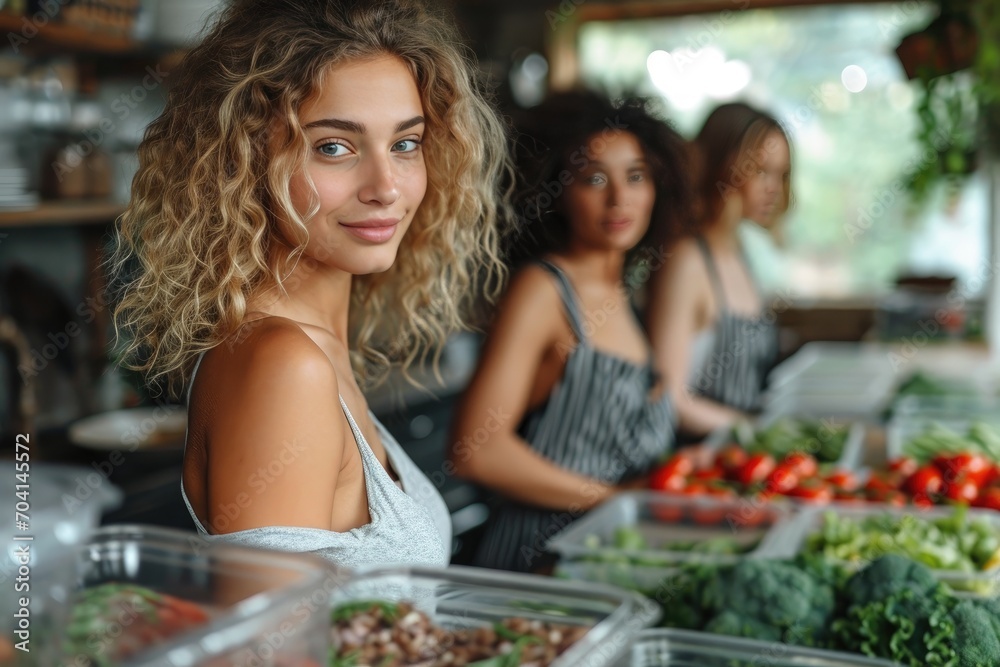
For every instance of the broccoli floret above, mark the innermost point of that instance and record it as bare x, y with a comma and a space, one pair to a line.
734, 625
683, 596
776, 594
907, 626
976, 641
992, 608
887, 576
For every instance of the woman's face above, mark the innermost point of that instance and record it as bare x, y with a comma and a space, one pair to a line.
364, 129
610, 199
764, 190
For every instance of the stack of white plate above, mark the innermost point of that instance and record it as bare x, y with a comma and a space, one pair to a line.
14, 193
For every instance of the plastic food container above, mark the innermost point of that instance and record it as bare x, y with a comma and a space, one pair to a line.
836, 362
687, 648
462, 597
850, 458
266, 608
832, 380
794, 534
60, 506
664, 519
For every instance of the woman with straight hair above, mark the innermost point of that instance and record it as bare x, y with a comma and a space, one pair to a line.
714, 337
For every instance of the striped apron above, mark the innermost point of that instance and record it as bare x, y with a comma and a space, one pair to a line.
598, 422
743, 352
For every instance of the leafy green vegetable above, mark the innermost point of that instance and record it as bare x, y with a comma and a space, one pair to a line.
907, 626
512, 659
345, 612
823, 440
981, 438
955, 543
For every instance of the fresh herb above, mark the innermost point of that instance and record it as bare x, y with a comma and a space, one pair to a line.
345, 612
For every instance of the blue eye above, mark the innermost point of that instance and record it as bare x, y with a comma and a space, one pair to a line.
596, 179
406, 146
333, 150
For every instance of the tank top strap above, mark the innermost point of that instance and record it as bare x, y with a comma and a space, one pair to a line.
359, 437
568, 295
713, 271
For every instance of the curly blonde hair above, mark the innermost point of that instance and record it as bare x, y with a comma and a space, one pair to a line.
201, 232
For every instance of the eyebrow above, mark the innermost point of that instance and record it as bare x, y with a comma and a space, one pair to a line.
359, 128
635, 165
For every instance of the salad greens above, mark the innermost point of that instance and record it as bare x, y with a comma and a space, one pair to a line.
822, 439
955, 543
981, 438
630, 538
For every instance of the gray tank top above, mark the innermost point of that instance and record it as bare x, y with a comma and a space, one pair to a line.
410, 523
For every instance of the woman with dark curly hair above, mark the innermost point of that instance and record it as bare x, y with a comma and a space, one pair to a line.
564, 409
320, 198
715, 341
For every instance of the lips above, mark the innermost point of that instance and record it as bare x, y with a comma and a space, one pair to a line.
375, 230
616, 224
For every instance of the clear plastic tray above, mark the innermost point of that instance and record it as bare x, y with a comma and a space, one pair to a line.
834, 362
463, 597
61, 506
952, 406
266, 608
663, 519
686, 648
850, 457
794, 534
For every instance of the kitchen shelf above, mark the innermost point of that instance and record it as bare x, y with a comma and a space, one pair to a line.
71, 37
69, 212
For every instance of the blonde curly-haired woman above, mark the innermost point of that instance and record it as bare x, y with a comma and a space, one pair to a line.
319, 199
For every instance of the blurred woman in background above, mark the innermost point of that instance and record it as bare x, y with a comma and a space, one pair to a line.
564, 409
714, 339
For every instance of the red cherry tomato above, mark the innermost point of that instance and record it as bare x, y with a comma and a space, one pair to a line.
756, 469
849, 497
803, 464
896, 499
962, 490
667, 480
812, 491
926, 481
709, 474
731, 458
679, 464
905, 466
879, 484
843, 479
975, 467
923, 501
989, 499
782, 479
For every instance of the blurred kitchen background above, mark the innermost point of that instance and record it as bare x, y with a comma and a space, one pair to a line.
891, 237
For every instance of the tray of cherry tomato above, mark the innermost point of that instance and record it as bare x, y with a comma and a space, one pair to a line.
731, 472
637, 537
968, 478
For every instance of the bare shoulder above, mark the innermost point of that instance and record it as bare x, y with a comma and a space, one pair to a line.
533, 287
270, 362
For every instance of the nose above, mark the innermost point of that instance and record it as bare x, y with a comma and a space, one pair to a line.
379, 185
615, 193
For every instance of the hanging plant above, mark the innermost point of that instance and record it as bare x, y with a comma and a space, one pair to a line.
957, 61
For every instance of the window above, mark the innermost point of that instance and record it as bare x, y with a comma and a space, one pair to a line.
831, 76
